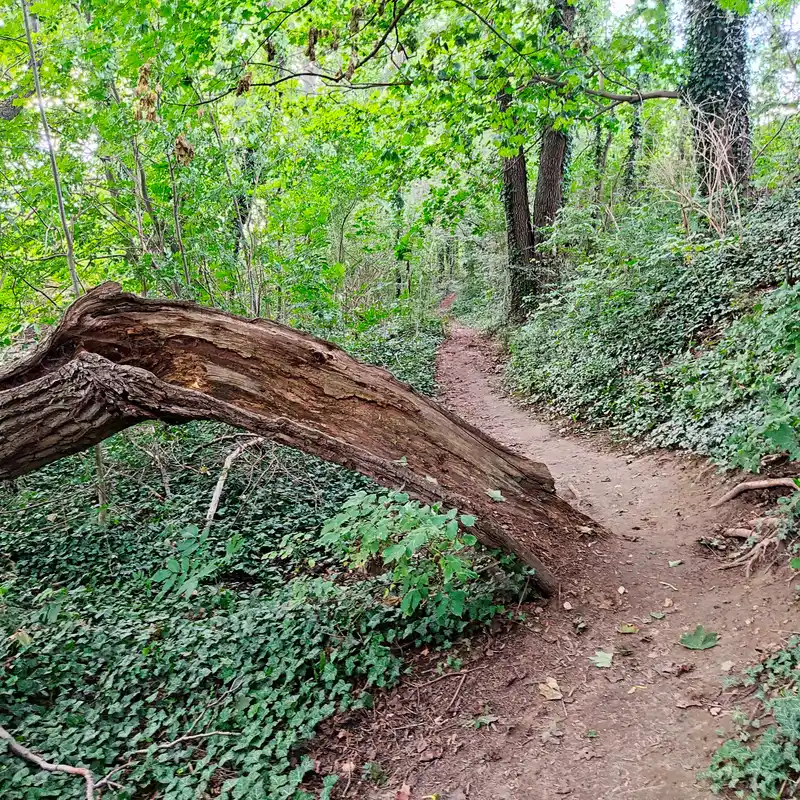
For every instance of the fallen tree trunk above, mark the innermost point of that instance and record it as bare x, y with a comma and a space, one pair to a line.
117, 359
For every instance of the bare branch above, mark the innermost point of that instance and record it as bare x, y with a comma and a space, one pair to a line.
22, 752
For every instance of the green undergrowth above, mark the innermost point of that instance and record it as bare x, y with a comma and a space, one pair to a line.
691, 343
305, 597
760, 761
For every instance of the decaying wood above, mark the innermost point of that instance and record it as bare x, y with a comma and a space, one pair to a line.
117, 359
223, 476
767, 483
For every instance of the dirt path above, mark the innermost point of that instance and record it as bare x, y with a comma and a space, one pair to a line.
646, 726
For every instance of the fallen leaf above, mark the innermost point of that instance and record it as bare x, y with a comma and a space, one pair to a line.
348, 768
621, 590
567, 606
403, 793
675, 563
715, 711
601, 659
700, 639
626, 627
431, 754
726, 666
668, 602
550, 689
496, 495
657, 614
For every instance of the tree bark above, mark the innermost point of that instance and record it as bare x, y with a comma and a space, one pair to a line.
550, 181
117, 359
549, 195
522, 281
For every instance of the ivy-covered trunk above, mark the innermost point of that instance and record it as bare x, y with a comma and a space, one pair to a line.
718, 92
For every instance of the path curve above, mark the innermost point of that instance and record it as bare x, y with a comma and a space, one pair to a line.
639, 729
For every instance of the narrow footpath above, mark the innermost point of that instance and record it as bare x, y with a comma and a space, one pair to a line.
645, 726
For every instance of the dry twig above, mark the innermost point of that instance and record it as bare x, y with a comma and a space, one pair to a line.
22, 752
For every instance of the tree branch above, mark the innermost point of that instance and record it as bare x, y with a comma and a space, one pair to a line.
22, 752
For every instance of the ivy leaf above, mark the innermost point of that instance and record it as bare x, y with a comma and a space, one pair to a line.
701, 639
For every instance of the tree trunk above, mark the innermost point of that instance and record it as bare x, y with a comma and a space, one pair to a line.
550, 182
522, 281
630, 177
117, 359
553, 153
718, 92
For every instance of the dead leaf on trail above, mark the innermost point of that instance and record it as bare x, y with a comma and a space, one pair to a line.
726, 666
601, 659
621, 590
550, 689
567, 606
627, 627
633, 689
403, 793
675, 563
715, 711
657, 614
668, 602
431, 754
348, 768
671, 668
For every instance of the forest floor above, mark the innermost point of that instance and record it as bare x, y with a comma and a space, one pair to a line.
642, 728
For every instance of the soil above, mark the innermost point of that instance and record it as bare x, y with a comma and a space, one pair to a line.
643, 728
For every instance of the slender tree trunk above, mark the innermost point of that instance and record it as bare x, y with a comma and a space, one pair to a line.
101, 482
630, 177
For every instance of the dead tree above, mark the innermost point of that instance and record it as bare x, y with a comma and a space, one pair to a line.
117, 359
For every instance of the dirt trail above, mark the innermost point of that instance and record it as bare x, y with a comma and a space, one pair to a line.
637, 730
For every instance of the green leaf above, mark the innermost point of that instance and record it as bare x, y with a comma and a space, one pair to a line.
394, 553
657, 614
467, 520
700, 639
794, 563
496, 495
602, 659
675, 563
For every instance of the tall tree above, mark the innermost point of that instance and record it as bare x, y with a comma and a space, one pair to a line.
718, 91
519, 231
554, 150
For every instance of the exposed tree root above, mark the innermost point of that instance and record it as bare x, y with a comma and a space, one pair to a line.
755, 554
767, 483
